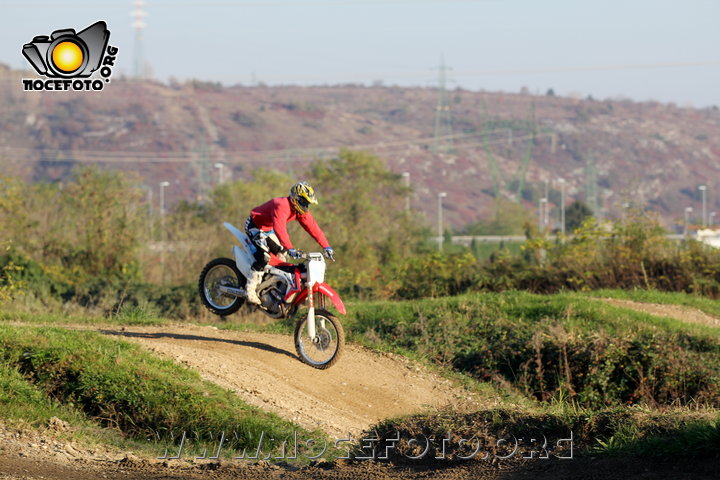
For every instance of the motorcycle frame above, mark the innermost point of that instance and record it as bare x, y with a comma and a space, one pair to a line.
315, 281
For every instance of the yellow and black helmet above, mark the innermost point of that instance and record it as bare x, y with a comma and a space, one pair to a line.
302, 196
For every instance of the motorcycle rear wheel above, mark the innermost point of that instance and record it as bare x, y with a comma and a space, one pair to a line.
220, 272
326, 348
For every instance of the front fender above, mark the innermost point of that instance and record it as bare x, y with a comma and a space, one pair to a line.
326, 290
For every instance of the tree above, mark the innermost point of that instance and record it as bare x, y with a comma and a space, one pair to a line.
509, 219
575, 214
362, 211
102, 212
86, 230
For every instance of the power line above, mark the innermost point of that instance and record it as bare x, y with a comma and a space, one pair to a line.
399, 75
288, 79
243, 157
188, 154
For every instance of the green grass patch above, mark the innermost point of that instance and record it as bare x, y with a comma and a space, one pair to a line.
129, 317
24, 404
120, 386
22, 400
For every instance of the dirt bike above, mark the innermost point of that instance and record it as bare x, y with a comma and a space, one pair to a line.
319, 336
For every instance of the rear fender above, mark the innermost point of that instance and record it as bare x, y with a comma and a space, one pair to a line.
244, 253
326, 290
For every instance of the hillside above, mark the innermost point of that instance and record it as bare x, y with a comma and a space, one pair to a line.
643, 153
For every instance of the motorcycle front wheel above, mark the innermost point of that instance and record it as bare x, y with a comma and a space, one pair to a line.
221, 272
325, 349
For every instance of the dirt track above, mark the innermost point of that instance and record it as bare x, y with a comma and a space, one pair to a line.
363, 388
678, 312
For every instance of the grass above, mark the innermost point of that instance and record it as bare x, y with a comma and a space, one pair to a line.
127, 318
523, 309
93, 381
23, 404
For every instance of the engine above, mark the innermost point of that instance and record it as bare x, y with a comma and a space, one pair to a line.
272, 294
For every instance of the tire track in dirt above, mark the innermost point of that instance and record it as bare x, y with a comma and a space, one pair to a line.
677, 312
363, 388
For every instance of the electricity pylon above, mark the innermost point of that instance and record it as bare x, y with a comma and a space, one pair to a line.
443, 119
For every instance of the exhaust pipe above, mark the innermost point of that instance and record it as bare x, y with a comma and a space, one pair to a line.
235, 292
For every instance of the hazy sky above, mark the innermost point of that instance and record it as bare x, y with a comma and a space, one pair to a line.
665, 50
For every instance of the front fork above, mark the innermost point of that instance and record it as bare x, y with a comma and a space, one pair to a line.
311, 327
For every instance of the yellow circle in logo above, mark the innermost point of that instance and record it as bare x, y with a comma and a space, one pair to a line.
67, 56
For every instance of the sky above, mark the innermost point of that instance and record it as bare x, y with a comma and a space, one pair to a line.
662, 50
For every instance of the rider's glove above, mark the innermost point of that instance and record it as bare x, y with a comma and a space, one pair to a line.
294, 253
330, 253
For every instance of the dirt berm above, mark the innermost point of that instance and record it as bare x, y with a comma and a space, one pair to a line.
363, 388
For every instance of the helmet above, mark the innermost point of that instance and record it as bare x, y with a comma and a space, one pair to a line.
301, 196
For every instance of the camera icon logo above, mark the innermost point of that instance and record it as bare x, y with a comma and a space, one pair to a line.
67, 54
66, 57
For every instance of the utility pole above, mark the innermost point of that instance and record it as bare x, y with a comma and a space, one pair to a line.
561, 181
406, 176
202, 167
541, 214
703, 189
442, 112
688, 210
441, 195
591, 186
162, 231
150, 212
139, 25
220, 167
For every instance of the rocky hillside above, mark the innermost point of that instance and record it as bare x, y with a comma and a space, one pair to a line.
509, 145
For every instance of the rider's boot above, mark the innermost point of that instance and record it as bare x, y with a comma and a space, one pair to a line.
251, 287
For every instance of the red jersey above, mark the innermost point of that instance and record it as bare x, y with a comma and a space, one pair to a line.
274, 215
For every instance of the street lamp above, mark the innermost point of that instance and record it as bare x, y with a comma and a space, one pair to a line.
541, 213
162, 197
162, 231
703, 189
561, 181
406, 176
441, 195
688, 210
219, 167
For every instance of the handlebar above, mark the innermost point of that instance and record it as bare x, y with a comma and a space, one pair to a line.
307, 255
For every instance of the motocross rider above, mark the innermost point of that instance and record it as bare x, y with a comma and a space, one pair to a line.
267, 228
